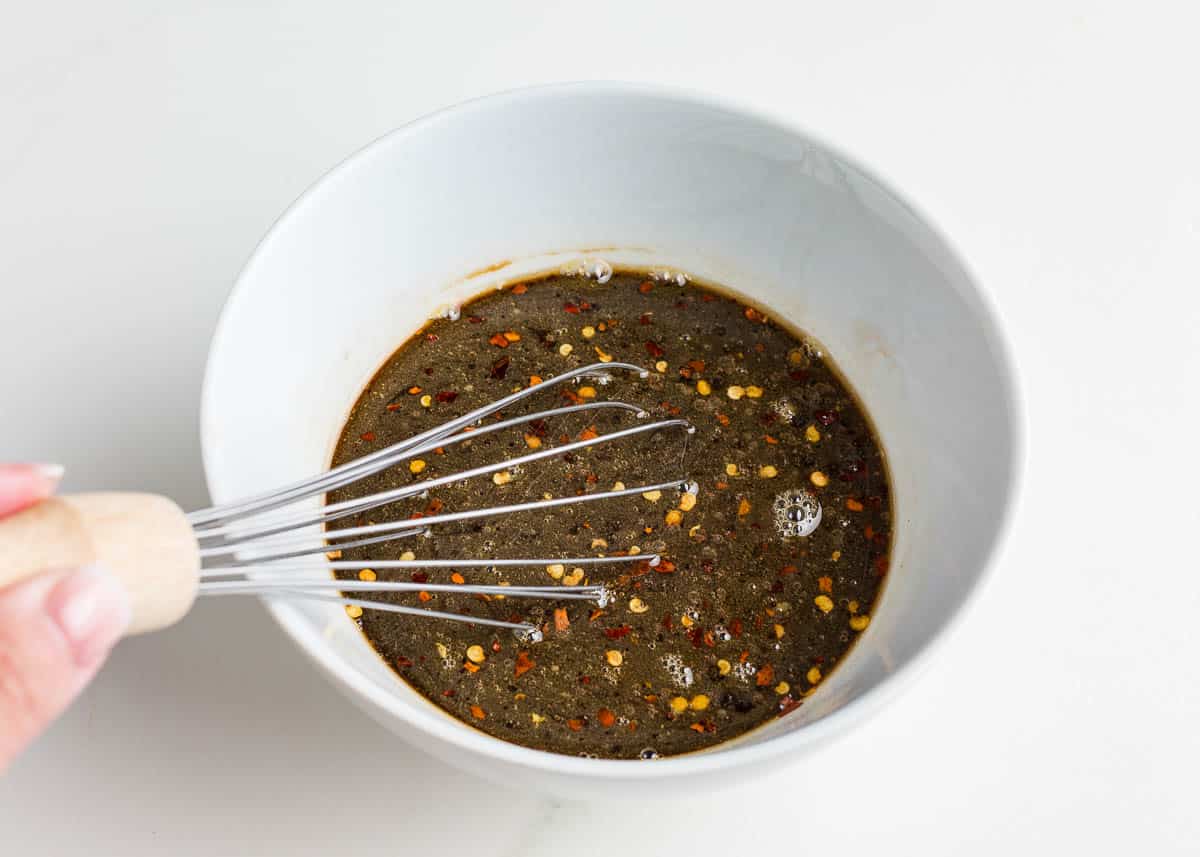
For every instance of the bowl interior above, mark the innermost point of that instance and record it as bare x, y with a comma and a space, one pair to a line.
637, 177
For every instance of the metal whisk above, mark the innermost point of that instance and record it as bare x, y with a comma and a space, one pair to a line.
245, 549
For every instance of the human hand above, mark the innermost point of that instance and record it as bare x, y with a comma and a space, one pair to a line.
56, 628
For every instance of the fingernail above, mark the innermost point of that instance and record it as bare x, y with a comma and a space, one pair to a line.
49, 472
92, 609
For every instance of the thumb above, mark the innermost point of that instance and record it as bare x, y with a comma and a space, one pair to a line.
55, 631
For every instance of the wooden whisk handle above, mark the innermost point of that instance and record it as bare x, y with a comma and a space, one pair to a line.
144, 539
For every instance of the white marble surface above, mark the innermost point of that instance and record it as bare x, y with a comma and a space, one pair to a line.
145, 147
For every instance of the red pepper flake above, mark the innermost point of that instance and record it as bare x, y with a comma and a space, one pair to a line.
826, 418
524, 664
654, 349
561, 622
697, 727
787, 705
853, 505
595, 614
770, 439
571, 308
475, 319
788, 569
618, 632
707, 298
393, 407
457, 578
606, 717
403, 662
470, 667
588, 433
435, 506
571, 396
709, 639
735, 627
520, 289
696, 635
646, 287
765, 675
431, 337
696, 366
367, 436
575, 724
881, 565
449, 692
754, 315
424, 596
477, 712
665, 566
446, 396
498, 340
722, 419
495, 645
825, 584
667, 623
500, 368
645, 318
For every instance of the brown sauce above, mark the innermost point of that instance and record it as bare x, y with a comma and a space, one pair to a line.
737, 624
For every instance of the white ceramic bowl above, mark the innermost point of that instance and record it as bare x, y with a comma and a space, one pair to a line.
633, 175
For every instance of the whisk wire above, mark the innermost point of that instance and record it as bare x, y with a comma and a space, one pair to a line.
351, 471
269, 557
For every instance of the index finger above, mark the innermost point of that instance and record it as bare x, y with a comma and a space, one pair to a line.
22, 485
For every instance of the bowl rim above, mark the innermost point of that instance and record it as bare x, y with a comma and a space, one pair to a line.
736, 754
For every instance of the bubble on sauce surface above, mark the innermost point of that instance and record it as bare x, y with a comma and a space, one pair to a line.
666, 275
648, 753
744, 671
530, 635
797, 513
599, 270
594, 269
680, 674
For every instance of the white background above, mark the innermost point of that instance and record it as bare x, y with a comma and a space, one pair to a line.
145, 148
